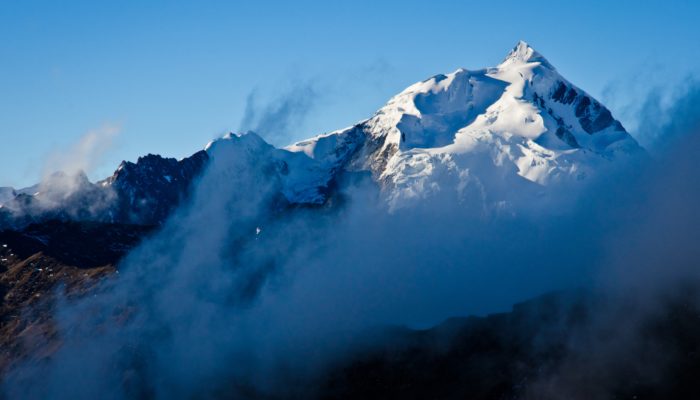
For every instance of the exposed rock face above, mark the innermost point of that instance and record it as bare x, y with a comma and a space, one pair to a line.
147, 191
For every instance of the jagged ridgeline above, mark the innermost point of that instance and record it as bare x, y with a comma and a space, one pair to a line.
512, 132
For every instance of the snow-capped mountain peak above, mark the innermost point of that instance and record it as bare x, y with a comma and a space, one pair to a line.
523, 53
520, 120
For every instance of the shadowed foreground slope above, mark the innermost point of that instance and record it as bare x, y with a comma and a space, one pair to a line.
576, 345
39, 260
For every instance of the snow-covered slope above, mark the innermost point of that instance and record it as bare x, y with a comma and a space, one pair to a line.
498, 130
298, 178
494, 138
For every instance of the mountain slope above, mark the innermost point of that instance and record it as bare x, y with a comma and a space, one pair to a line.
41, 262
520, 119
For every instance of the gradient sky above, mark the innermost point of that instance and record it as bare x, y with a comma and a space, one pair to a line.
170, 76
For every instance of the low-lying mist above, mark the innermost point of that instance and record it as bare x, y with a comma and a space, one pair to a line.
240, 295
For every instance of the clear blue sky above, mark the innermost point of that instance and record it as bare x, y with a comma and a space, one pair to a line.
173, 75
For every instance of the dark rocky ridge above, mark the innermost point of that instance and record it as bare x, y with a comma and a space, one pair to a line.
592, 115
142, 193
150, 189
573, 345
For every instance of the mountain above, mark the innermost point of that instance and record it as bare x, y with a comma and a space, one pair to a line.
513, 125
498, 139
59, 196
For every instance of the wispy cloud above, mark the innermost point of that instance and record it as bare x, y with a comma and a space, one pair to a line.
281, 118
85, 154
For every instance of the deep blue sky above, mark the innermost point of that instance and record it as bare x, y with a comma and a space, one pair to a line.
173, 75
